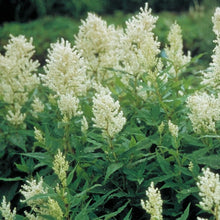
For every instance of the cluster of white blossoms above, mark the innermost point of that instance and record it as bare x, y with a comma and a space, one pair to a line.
69, 106
5, 210
174, 51
209, 187
65, 70
41, 206
154, 204
60, 167
107, 114
97, 42
32, 188
38, 135
138, 47
174, 130
211, 77
205, 112
17, 76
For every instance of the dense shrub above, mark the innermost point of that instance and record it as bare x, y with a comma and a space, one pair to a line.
110, 128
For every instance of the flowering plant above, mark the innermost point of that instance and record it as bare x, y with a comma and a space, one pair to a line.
107, 120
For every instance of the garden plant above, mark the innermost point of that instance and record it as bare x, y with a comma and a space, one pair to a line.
112, 127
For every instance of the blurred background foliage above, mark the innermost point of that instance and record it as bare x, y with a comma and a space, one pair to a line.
48, 20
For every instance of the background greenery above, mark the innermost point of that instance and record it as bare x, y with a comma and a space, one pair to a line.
56, 19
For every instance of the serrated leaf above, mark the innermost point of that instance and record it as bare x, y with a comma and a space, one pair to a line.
112, 168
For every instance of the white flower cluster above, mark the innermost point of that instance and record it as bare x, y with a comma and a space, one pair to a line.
69, 106
138, 47
65, 70
60, 167
17, 76
32, 188
38, 135
211, 77
175, 49
209, 186
173, 129
41, 206
153, 205
5, 210
97, 41
107, 115
205, 111
216, 21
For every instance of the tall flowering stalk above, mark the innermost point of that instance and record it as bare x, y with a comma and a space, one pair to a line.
97, 41
5, 210
65, 70
107, 114
17, 76
204, 112
138, 47
211, 77
209, 186
175, 50
153, 205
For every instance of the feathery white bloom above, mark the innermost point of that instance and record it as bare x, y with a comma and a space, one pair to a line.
190, 166
97, 41
16, 75
69, 106
175, 49
65, 70
52, 209
138, 47
153, 205
38, 135
32, 216
198, 218
209, 186
37, 105
216, 21
30, 189
60, 167
16, 118
161, 127
107, 115
5, 210
205, 111
211, 76
173, 129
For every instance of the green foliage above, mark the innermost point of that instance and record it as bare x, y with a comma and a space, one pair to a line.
107, 178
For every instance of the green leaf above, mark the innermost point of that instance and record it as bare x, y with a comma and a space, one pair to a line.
128, 216
70, 176
18, 141
44, 158
185, 215
113, 214
11, 179
112, 168
164, 165
185, 193
211, 161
